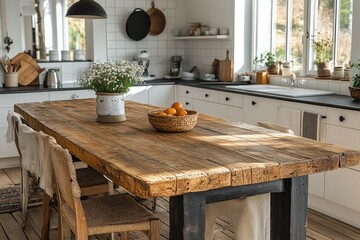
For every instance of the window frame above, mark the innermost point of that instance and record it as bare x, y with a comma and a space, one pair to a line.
308, 68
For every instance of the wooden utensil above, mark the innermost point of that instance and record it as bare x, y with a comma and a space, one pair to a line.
157, 19
226, 69
27, 73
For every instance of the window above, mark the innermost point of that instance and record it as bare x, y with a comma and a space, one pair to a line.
295, 22
55, 31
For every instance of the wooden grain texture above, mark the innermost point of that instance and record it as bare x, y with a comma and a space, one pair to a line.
226, 66
214, 154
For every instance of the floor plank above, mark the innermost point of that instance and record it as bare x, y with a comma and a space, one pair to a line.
11, 227
13, 174
5, 181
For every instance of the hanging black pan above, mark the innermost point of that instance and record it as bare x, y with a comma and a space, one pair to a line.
138, 24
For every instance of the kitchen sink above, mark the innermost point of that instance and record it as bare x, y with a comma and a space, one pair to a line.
281, 90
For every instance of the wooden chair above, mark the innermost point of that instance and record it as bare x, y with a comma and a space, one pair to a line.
107, 214
250, 216
90, 180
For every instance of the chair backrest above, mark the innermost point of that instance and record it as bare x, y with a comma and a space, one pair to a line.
65, 174
275, 127
26, 140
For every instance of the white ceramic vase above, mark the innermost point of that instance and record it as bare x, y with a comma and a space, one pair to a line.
110, 107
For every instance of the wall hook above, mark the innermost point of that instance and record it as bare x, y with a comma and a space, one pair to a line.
8, 41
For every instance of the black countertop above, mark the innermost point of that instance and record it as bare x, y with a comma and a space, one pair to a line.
336, 101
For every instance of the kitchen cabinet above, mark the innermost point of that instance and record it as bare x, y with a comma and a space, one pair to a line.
8, 151
162, 95
214, 103
71, 94
138, 94
258, 109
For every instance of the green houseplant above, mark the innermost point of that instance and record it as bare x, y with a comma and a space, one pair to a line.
355, 88
111, 80
267, 59
322, 47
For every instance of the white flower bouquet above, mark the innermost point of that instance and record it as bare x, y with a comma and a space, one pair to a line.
112, 76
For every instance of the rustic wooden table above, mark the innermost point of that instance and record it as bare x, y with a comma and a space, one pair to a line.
216, 161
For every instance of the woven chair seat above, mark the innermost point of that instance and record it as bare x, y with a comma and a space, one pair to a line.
89, 177
115, 213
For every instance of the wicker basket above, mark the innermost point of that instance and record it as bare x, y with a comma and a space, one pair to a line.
355, 92
173, 123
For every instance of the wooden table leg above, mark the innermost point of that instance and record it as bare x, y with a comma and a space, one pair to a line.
46, 212
289, 210
187, 216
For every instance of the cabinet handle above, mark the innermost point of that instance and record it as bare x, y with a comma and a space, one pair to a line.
206, 95
341, 118
227, 99
187, 92
253, 103
74, 96
187, 103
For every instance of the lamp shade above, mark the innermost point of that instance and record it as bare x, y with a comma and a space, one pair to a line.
88, 9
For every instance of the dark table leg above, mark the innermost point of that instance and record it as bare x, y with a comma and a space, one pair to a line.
187, 216
289, 210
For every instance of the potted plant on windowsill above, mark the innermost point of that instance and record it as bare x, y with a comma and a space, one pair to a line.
269, 60
355, 88
322, 48
111, 80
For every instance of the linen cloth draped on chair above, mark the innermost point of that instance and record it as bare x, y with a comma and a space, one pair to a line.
27, 145
251, 215
107, 214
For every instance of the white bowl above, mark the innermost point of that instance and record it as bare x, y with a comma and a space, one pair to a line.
188, 75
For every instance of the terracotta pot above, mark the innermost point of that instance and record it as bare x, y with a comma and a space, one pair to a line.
110, 107
323, 69
273, 69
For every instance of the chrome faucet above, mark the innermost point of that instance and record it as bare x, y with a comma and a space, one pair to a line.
292, 80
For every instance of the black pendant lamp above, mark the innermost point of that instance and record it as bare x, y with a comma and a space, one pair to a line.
88, 9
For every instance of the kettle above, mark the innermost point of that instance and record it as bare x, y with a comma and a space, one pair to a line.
52, 78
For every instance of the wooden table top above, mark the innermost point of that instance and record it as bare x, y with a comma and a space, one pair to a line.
148, 163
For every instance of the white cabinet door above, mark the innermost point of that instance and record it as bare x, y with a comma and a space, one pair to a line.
138, 94
342, 188
161, 96
8, 100
259, 109
218, 110
342, 136
71, 94
186, 102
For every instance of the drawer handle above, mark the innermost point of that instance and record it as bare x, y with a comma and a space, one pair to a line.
74, 96
187, 103
227, 99
253, 103
206, 95
187, 92
341, 118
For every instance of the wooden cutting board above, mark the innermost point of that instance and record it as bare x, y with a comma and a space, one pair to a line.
226, 69
27, 73
23, 57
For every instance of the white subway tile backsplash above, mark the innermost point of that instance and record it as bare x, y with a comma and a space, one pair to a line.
334, 87
323, 85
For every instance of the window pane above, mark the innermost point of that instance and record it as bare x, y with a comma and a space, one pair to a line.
76, 31
323, 22
296, 35
280, 30
344, 42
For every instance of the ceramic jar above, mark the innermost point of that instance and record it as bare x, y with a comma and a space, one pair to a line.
110, 107
338, 73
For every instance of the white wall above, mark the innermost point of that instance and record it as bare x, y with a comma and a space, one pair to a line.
355, 47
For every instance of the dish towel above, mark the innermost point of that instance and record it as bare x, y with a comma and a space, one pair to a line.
290, 118
250, 216
310, 125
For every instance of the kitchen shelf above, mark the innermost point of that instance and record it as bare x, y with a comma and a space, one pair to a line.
220, 37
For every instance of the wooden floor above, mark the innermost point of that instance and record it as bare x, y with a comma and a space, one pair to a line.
320, 227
